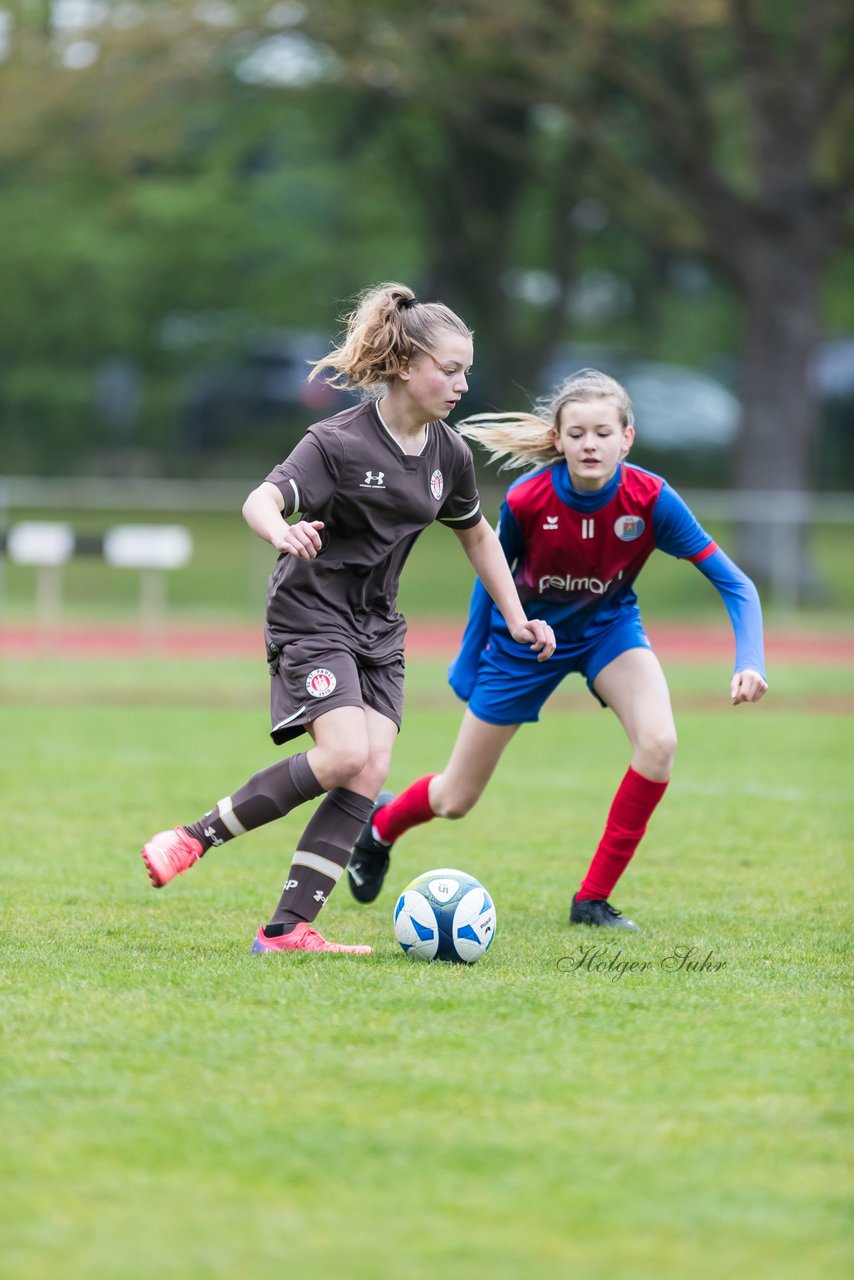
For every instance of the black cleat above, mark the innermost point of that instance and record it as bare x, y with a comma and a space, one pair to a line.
369, 859
598, 912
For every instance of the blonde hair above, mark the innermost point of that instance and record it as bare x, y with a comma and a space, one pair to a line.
386, 329
525, 439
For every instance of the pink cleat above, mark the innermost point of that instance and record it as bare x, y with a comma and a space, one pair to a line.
302, 938
168, 854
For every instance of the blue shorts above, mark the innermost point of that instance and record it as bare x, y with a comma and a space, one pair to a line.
512, 690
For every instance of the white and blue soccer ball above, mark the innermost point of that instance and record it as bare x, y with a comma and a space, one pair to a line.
445, 915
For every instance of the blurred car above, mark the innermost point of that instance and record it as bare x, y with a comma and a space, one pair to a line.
835, 370
265, 388
677, 407
835, 380
681, 408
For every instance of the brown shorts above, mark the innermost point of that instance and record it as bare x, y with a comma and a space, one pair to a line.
309, 678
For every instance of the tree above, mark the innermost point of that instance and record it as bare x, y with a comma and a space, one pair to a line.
719, 128
154, 185
753, 109
723, 129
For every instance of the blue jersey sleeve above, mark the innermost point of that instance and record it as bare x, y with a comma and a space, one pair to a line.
677, 530
679, 533
462, 673
742, 604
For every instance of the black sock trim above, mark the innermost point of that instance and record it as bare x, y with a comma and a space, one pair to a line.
279, 930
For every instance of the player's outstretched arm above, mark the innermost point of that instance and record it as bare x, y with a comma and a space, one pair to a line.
741, 598
747, 686
483, 549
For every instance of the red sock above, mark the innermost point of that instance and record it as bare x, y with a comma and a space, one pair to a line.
409, 809
631, 810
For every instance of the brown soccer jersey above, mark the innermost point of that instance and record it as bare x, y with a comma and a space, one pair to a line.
374, 500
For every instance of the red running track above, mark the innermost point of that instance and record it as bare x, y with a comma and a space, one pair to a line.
675, 641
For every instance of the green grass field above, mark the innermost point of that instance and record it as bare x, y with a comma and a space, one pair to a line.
173, 1106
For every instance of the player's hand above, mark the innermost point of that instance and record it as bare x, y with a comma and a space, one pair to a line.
538, 635
301, 539
747, 686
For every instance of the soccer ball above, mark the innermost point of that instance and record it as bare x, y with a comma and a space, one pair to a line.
445, 915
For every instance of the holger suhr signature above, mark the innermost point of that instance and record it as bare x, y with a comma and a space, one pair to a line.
597, 959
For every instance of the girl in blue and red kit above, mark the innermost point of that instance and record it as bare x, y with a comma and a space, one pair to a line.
576, 532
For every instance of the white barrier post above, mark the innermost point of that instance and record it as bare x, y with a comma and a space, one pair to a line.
47, 545
152, 549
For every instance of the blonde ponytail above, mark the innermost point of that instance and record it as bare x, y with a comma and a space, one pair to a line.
386, 329
520, 439
526, 439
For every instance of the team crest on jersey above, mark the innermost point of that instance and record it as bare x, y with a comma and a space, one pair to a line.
628, 528
320, 682
437, 485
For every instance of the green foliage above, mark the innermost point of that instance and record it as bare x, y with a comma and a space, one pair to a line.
449, 145
173, 1105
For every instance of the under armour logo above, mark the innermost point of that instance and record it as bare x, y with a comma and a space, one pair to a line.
373, 480
210, 834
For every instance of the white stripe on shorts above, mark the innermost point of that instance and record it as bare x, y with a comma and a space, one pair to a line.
289, 718
229, 818
315, 862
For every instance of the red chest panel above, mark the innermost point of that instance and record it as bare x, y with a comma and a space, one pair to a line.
568, 551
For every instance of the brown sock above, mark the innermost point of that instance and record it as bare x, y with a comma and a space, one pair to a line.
268, 795
322, 854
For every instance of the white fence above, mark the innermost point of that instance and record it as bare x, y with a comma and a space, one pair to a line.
48, 545
782, 514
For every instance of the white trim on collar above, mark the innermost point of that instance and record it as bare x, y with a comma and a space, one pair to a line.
389, 431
